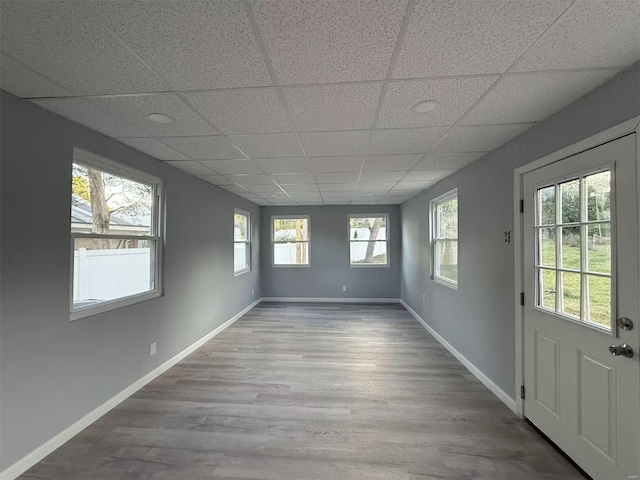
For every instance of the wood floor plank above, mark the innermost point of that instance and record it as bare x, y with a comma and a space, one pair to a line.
311, 392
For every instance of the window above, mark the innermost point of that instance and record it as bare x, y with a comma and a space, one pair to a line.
368, 240
573, 248
241, 242
115, 235
290, 238
444, 238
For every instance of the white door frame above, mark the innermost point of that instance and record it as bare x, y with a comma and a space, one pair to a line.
620, 130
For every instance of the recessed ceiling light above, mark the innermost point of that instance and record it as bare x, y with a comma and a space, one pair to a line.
161, 118
424, 107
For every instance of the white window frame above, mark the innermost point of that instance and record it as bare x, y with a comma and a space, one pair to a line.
106, 165
386, 240
433, 219
307, 241
247, 242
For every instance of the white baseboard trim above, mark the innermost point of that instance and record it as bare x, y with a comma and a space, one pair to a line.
28, 461
497, 391
331, 300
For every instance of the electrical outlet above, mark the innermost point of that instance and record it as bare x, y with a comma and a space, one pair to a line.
253, 291
344, 288
424, 297
152, 349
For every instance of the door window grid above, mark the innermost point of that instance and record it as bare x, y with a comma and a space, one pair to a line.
573, 248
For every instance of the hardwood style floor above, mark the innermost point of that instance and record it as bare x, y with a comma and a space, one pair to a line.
317, 392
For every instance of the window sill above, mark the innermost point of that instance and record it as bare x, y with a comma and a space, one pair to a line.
113, 305
241, 272
369, 265
291, 266
446, 282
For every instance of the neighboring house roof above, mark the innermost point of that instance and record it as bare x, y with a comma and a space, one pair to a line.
81, 213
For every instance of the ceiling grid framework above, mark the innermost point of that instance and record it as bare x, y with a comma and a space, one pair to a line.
289, 102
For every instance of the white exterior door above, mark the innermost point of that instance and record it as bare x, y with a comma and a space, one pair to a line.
581, 270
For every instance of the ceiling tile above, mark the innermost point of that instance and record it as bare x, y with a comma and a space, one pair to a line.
136, 108
405, 140
479, 137
429, 175
337, 177
284, 165
592, 33
402, 193
378, 176
333, 144
532, 97
249, 180
326, 42
377, 194
192, 44
230, 167
265, 189
365, 201
459, 37
303, 188
246, 110
235, 188
219, 180
374, 186
414, 185
454, 96
333, 107
203, 148
293, 178
191, 166
279, 195
336, 164
390, 162
391, 201
249, 196
337, 187
337, 201
90, 115
65, 43
22, 81
436, 161
269, 145
153, 147
305, 195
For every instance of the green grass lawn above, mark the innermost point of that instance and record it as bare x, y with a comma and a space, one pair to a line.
599, 287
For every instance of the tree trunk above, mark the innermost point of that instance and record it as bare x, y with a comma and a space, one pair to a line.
100, 216
373, 235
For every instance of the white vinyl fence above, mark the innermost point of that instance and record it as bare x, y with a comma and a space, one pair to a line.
107, 274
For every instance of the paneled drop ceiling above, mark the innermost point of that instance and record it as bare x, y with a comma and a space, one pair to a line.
309, 102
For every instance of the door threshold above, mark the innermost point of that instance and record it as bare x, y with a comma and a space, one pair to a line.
558, 449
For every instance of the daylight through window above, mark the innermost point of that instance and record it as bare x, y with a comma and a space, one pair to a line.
241, 242
368, 240
115, 237
444, 237
573, 248
290, 238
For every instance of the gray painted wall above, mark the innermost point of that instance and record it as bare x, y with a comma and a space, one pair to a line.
53, 371
329, 269
478, 318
